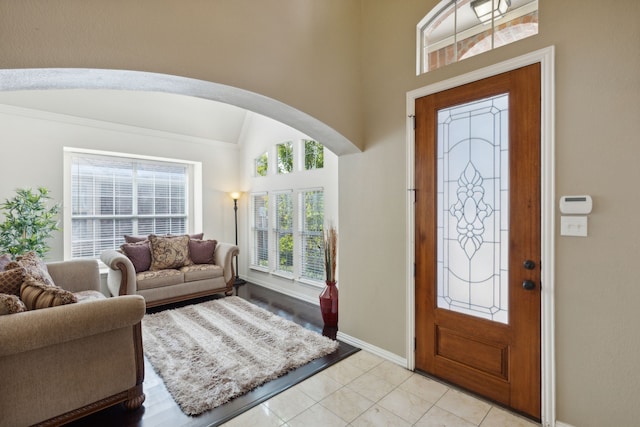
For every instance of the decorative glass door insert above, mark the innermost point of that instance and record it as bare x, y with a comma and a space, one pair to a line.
473, 217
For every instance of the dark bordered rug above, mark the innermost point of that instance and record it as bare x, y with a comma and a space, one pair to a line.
210, 353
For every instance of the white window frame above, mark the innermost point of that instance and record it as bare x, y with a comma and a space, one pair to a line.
300, 238
456, 35
254, 230
194, 189
276, 233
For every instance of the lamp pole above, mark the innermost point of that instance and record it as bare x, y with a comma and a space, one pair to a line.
238, 281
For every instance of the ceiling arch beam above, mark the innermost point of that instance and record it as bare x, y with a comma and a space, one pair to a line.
86, 78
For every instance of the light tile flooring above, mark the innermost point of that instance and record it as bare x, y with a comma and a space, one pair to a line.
365, 390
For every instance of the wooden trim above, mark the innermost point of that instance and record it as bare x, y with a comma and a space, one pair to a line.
228, 288
132, 398
124, 282
546, 57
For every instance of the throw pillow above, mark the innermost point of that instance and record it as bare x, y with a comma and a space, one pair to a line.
136, 239
10, 280
139, 254
169, 251
201, 251
36, 268
36, 295
5, 259
10, 304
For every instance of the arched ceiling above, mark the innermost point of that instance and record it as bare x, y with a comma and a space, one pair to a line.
173, 104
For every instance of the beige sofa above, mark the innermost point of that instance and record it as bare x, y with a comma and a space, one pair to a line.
172, 285
61, 363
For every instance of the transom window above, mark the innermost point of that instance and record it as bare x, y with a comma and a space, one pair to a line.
111, 196
458, 29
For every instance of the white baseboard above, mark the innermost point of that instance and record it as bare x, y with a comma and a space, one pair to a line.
561, 424
373, 349
283, 291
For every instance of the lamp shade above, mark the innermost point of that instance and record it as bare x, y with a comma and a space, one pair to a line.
235, 195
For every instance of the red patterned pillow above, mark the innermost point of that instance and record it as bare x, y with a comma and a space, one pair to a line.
201, 251
10, 280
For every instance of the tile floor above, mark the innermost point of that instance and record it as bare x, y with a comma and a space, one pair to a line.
366, 390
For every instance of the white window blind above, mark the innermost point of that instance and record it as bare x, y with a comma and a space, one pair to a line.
114, 196
311, 224
284, 231
260, 208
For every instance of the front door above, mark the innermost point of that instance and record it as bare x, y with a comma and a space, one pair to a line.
477, 151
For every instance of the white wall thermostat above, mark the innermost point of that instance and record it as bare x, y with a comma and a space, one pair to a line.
576, 205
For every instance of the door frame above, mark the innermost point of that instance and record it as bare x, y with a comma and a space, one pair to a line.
547, 165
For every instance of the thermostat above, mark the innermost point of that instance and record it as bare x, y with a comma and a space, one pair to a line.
580, 205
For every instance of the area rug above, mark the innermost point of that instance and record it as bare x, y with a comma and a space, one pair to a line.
211, 352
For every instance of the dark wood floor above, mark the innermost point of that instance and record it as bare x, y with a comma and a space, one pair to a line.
160, 409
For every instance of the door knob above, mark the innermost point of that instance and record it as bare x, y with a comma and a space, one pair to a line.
529, 265
529, 285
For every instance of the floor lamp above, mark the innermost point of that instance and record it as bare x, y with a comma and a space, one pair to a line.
235, 196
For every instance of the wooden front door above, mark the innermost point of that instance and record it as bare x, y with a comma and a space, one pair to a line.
478, 238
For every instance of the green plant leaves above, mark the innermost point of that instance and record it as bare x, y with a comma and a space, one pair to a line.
29, 222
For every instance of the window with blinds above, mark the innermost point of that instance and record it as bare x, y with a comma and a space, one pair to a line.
114, 196
260, 209
284, 232
311, 221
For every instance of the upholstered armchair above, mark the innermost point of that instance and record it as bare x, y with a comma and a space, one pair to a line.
61, 363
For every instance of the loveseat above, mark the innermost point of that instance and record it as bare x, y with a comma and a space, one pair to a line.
167, 269
63, 362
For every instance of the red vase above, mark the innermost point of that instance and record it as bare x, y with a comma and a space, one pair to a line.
329, 304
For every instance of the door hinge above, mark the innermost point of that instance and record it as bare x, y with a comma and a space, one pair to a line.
414, 270
415, 343
413, 119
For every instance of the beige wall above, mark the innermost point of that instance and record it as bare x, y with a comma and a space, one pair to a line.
349, 63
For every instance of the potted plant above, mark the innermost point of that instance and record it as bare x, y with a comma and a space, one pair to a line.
329, 296
28, 222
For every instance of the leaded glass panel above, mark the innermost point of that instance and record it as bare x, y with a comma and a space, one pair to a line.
473, 185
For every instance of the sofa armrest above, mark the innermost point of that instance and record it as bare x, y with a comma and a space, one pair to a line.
121, 277
30, 330
223, 256
75, 275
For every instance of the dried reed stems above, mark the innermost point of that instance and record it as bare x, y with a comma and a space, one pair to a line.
330, 252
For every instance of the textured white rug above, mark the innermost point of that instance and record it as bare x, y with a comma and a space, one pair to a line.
209, 353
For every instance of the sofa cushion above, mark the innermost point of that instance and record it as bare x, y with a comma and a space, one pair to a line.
201, 271
10, 304
89, 295
139, 253
10, 280
159, 278
201, 251
36, 268
169, 251
36, 295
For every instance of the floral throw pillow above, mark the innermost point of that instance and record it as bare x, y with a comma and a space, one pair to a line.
10, 304
35, 267
169, 251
